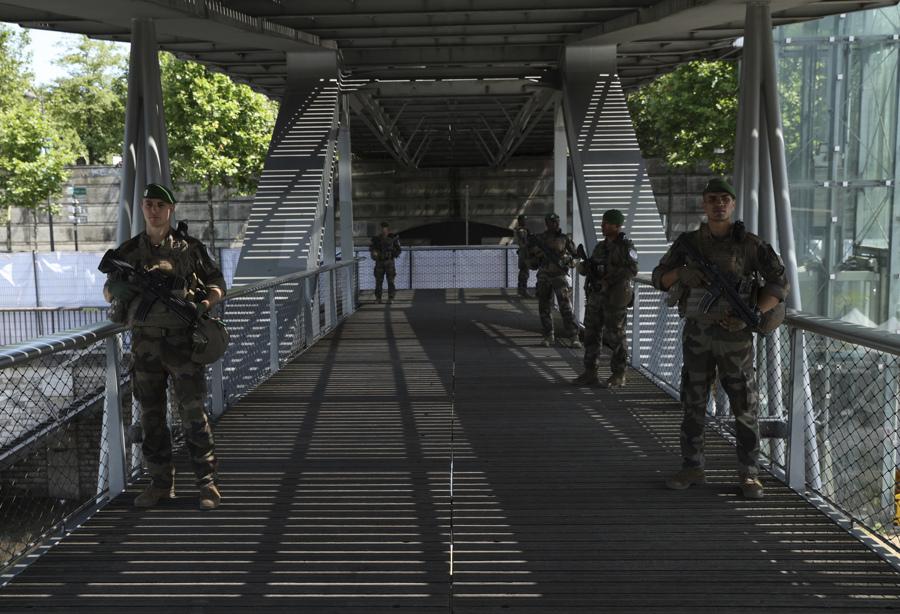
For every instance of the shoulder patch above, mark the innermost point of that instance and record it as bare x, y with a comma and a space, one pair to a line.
632, 253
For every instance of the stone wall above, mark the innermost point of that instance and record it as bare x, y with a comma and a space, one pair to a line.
382, 191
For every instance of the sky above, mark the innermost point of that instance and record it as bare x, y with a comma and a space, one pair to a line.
45, 47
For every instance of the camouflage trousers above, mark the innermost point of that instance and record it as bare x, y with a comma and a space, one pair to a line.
160, 356
524, 272
606, 325
385, 268
707, 347
547, 287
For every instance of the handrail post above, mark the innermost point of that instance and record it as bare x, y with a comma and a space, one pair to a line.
332, 300
112, 442
796, 467
217, 381
636, 329
273, 333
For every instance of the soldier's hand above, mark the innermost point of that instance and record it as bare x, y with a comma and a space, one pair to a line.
120, 290
732, 323
692, 277
201, 308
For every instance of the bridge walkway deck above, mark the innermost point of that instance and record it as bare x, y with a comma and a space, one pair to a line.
430, 456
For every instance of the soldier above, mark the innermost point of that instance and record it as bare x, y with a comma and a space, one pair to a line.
553, 254
384, 248
717, 339
521, 234
162, 344
609, 273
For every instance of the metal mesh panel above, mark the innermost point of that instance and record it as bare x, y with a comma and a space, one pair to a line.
852, 441
246, 362
659, 337
51, 411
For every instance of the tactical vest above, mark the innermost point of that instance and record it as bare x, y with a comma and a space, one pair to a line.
736, 259
556, 243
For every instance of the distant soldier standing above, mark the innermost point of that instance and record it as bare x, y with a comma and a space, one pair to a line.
554, 254
384, 249
717, 339
521, 234
162, 346
609, 272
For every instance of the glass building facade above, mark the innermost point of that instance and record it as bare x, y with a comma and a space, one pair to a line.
840, 97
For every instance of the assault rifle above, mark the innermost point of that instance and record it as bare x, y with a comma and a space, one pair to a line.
153, 285
721, 285
596, 269
550, 254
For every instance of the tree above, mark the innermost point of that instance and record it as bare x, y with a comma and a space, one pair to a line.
218, 131
689, 116
33, 150
90, 99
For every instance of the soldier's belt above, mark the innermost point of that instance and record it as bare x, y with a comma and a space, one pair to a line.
703, 317
160, 331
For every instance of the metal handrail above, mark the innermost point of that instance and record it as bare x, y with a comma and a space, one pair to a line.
239, 291
875, 339
79, 338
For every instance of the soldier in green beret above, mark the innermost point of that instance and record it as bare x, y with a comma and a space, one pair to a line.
162, 346
715, 340
521, 233
384, 249
608, 286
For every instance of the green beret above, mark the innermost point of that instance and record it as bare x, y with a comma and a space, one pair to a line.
718, 184
385, 225
551, 217
161, 192
614, 216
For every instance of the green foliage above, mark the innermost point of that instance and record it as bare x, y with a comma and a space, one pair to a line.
689, 116
33, 150
90, 99
218, 131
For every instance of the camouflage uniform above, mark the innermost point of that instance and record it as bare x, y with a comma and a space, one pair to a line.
522, 252
161, 345
608, 298
707, 346
383, 251
552, 279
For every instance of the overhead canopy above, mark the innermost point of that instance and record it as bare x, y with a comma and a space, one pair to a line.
426, 40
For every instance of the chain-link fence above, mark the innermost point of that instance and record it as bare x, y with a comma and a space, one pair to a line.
66, 398
21, 324
828, 395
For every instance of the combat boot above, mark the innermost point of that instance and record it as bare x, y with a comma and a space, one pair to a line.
547, 341
616, 381
752, 488
378, 299
576, 343
152, 495
524, 293
686, 478
588, 378
210, 497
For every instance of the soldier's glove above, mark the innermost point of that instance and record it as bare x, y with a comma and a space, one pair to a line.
732, 323
692, 277
121, 290
200, 308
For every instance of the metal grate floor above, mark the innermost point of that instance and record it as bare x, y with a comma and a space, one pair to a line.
430, 456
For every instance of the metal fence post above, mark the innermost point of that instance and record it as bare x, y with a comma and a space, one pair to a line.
636, 329
273, 333
217, 381
332, 300
409, 254
112, 443
889, 442
796, 466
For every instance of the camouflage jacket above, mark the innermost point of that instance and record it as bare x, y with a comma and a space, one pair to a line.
384, 248
558, 244
752, 261
185, 259
616, 262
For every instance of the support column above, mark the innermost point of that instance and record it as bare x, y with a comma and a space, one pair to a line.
145, 154
345, 178
560, 171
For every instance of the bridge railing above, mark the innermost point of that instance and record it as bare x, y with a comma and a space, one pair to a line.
65, 405
829, 408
